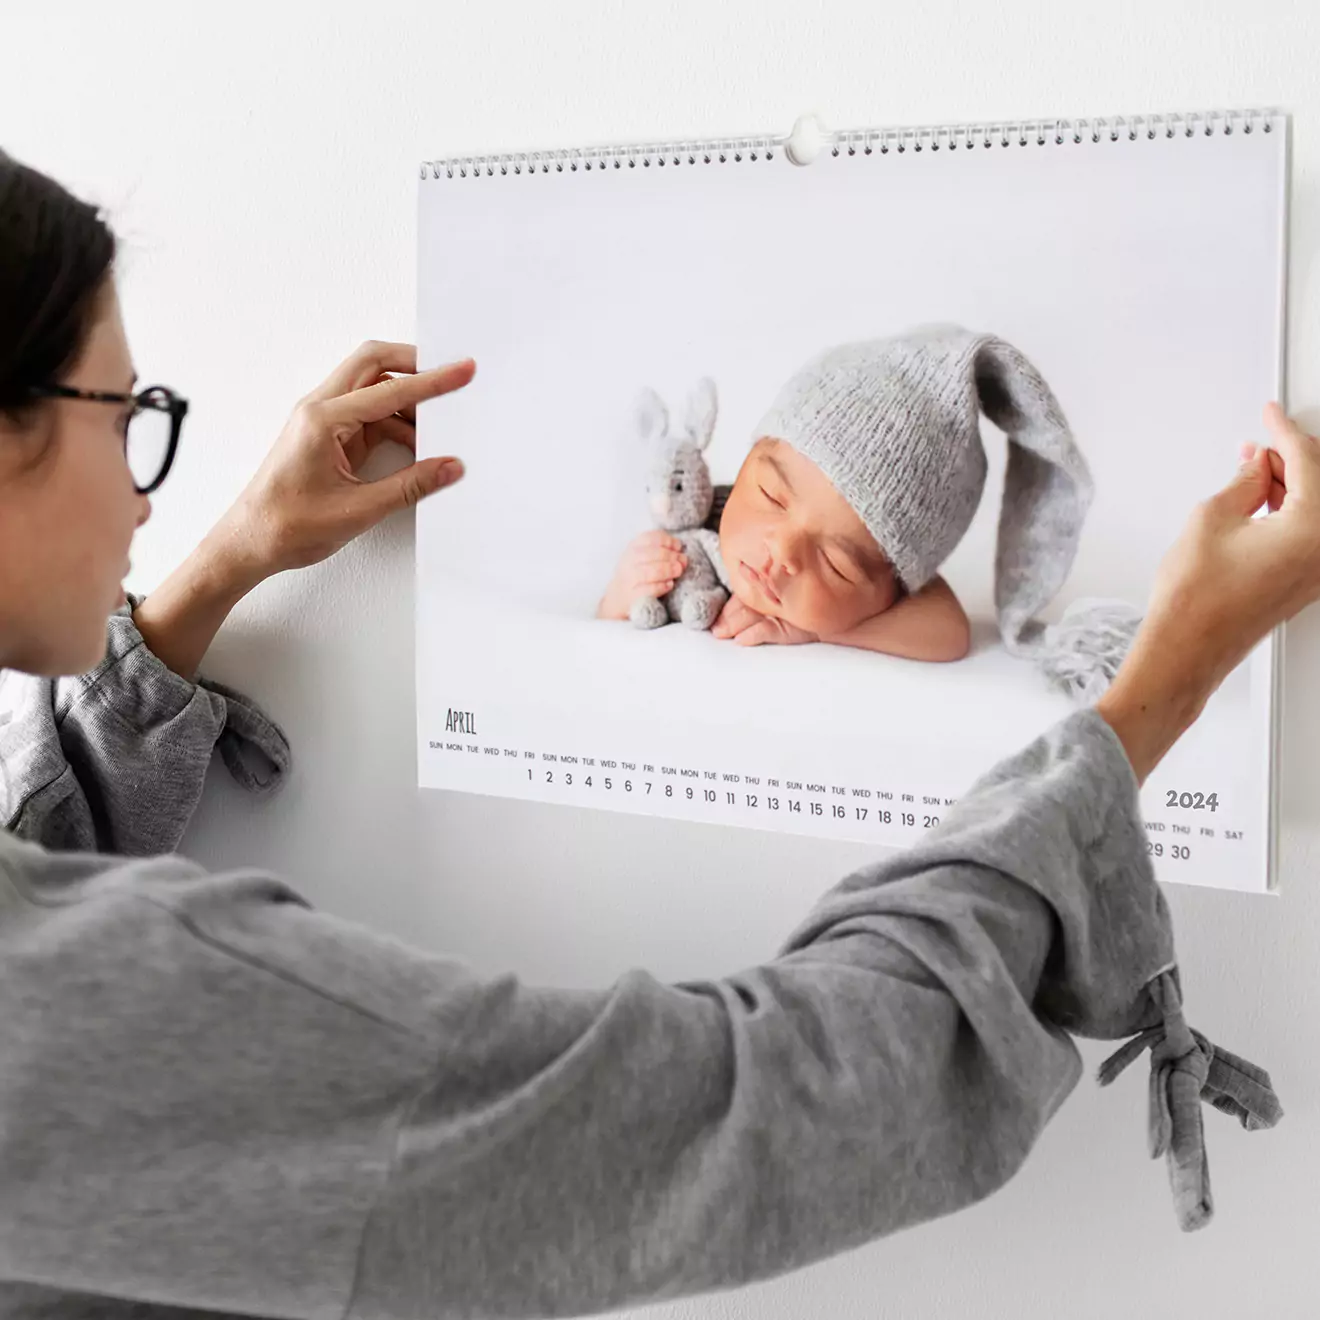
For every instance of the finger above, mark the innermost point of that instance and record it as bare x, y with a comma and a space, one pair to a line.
757, 634
668, 568
408, 487
372, 403
1297, 452
368, 362
665, 559
365, 438
408, 413
1249, 451
1277, 422
726, 623
660, 539
1248, 490
1278, 488
653, 589
657, 575
393, 429
1275, 460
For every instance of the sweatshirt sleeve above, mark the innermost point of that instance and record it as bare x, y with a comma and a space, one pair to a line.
114, 760
281, 1113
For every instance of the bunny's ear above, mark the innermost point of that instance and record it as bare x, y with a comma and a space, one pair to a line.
702, 408
651, 415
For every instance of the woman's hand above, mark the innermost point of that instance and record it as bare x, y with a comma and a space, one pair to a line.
306, 500
748, 627
1228, 581
650, 566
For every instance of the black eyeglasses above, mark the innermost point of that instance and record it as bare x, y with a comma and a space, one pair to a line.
151, 435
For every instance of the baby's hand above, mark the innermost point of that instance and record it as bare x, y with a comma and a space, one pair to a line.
748, 628
650, 566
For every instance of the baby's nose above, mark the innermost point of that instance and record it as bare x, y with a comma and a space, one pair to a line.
781, 556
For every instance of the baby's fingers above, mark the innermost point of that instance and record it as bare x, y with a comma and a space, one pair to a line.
653, 584
646, 561
730, 619
655, 569
658, 540
735, 619
759, 633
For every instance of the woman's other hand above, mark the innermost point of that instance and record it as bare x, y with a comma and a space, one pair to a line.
1228, 581
650, 566
307, 500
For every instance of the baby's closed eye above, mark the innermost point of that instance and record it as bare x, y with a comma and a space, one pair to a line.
836, 570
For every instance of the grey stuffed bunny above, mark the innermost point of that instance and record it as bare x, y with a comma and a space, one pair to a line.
680, 492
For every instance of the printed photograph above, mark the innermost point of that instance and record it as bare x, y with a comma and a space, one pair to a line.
859, 484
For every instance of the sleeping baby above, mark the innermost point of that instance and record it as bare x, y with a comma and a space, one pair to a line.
863, 478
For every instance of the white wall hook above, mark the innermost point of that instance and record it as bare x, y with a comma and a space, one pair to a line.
806, 140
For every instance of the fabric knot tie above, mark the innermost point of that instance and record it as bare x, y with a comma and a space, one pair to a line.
1185, 1068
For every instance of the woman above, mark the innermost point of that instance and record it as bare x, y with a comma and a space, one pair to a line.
214, 1098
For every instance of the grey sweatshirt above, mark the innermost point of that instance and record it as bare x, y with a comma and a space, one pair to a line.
215, 1098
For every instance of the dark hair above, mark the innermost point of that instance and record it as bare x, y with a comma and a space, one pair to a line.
55, 254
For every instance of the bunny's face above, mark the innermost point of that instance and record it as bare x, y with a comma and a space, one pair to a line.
678, 486
678, 481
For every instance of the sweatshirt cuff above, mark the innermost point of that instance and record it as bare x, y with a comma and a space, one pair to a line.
148, 693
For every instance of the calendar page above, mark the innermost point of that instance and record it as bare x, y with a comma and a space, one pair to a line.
725, 550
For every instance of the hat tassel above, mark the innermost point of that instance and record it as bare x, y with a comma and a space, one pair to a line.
1083, 651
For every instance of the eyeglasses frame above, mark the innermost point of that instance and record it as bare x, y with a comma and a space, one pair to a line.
157, 398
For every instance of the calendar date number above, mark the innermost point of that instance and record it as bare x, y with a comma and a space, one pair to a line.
1180, 852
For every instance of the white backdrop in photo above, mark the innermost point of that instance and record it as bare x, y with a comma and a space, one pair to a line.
261, 163
1129, 272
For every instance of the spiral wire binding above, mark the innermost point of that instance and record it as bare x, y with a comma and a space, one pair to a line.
658, 156
861, 142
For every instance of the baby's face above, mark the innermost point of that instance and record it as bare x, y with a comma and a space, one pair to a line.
796, 550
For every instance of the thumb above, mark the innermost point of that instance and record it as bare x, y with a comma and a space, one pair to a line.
1248, 490
409, 486
1297, 454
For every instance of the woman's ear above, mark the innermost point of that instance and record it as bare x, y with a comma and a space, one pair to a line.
27, 437
651, 416
702, 409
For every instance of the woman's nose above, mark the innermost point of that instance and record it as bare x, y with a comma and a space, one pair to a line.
144, 511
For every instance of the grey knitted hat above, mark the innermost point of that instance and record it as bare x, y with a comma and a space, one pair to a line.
895, 425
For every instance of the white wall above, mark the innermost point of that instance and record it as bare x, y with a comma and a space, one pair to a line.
260, 162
